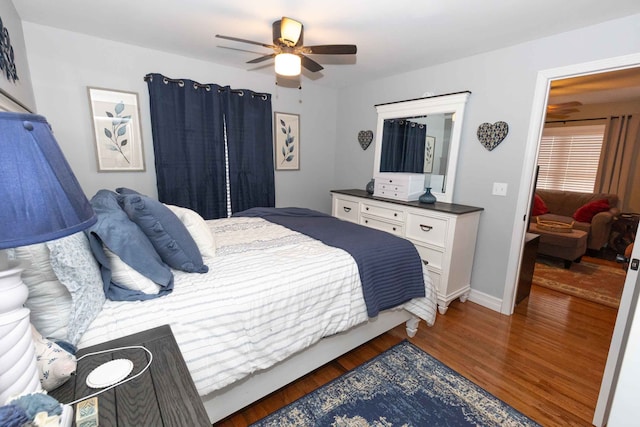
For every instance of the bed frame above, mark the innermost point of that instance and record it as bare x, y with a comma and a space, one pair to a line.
224, 402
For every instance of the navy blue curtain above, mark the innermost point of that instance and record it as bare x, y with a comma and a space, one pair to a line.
188, 123
403, 144
250, 142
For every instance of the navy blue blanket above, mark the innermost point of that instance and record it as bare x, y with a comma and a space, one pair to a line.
390, 267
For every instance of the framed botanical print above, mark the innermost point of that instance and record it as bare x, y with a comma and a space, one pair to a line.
429, 148
116, 127
287, 141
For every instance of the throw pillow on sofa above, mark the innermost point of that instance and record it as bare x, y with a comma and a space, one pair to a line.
539, 206
586, 212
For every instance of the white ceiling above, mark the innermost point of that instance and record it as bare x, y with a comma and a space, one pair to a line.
392, 36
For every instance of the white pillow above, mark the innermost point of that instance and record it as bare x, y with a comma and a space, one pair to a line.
123, 274
77, 269
49, 300
198, 229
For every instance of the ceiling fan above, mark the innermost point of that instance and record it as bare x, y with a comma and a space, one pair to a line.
562, 110
289, 51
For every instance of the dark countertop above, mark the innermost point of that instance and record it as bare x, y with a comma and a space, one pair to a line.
450, 208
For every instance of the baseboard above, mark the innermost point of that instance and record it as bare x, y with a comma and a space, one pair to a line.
485, 300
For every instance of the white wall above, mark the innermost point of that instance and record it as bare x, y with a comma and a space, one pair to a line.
20, 90
502, 83
63, 64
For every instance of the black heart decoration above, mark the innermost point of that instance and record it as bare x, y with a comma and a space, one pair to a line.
491, 135
364, 138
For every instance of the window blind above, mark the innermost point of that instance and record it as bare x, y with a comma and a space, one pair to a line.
568, 158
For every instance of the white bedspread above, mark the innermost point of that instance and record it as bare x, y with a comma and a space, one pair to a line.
269, 293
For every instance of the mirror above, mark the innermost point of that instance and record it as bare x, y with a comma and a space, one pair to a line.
421, 136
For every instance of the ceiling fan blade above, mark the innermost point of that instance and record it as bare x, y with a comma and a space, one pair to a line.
569, 104
556, 116
235, 39
310, 64
261, 58
565, 111
331, 49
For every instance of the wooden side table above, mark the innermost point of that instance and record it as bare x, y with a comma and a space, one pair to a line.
527, 266
163, 396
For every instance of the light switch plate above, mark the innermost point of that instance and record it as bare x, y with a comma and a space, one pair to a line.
499, 189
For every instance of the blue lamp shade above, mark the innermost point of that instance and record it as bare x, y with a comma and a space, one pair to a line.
41, 198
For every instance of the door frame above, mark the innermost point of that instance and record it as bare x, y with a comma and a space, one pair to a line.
525, 194
536, 125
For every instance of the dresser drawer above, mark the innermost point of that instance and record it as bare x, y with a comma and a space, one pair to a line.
382, 225
347, 210
390, 187
427, 229
437, 282
383, 212
432, 256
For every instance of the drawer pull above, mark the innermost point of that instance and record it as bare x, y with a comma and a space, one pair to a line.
367, 208
394, 229
425, 262
395, 214
346, 209
425, 227
366, 221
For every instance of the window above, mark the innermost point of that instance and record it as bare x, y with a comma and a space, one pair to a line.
569, 156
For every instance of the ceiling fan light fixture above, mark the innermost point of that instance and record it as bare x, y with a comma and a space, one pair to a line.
290, 31
288, 64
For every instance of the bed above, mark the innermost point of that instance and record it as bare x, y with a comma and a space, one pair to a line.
274, 304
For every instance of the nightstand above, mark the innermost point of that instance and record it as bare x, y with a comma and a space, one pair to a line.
527, 266
163, 396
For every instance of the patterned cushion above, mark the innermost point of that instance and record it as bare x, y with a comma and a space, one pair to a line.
55, 365
76, 268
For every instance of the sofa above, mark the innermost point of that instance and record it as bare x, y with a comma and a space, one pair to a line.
593, 213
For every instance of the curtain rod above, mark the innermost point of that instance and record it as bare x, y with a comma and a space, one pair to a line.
197, 85
581, 120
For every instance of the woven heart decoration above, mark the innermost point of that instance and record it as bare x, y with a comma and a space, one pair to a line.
364, 138
491, 135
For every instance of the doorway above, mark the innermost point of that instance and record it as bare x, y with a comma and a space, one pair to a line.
540, 102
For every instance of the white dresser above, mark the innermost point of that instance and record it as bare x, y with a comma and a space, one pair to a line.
444, 234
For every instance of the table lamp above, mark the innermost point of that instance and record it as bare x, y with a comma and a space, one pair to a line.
40, 200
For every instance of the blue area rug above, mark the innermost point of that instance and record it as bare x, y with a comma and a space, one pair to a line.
404, 386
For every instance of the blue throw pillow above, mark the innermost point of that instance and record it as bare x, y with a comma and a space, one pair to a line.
124, 238
167, 233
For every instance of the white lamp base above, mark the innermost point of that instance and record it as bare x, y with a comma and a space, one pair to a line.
18, 368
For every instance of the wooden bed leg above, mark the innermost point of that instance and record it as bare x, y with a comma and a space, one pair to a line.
412, 326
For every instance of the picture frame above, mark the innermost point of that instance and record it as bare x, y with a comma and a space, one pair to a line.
429, 150
115, 116
286, 141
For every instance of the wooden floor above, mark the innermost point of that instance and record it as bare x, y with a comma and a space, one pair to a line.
546, 360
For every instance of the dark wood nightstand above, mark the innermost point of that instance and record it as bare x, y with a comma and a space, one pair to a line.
527, 266
163, 396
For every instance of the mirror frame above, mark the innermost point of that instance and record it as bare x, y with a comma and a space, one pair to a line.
438, 104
